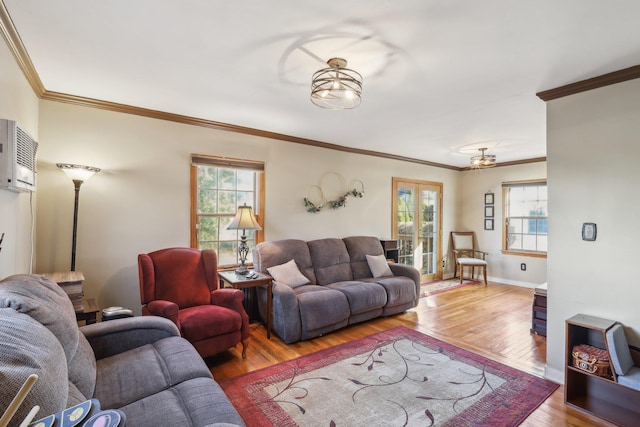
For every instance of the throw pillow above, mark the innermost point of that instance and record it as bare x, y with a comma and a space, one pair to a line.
288, 274
378, 266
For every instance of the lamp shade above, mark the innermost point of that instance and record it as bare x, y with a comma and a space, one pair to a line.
244, 220
78, 172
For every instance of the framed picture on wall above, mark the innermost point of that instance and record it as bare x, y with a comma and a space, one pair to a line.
488, 224
488, 198
488, 211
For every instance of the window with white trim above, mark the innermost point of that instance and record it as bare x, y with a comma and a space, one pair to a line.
525, 214
218, 186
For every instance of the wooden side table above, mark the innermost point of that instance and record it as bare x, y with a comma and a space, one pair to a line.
89, 312
237, 281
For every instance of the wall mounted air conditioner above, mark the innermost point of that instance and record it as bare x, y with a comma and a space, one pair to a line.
17, 158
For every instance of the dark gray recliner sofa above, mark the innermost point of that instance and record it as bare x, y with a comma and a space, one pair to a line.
139, 365
341, 289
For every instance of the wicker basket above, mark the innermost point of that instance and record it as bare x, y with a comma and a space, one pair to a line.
591, 359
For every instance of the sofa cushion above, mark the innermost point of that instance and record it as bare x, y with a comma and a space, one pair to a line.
288, 274
197, 324
401, 290
152, 368
362, 297
269, 254
321, 307
330, 261
44, 301
359, 247
195, 402
379, 266
19, 357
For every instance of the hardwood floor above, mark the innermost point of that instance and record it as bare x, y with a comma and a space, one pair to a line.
492, 321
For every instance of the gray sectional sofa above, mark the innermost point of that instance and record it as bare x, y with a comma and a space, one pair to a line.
139, 365
335, 287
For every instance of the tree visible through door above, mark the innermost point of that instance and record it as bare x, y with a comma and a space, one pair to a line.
417, 213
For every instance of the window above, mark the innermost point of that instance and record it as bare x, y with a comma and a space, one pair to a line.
525, 212
218, 187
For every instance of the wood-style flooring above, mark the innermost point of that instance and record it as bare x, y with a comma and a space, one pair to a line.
491, 321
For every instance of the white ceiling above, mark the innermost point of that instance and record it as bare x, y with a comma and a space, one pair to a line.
442, 78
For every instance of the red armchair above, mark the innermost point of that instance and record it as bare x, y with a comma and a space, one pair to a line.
182, 285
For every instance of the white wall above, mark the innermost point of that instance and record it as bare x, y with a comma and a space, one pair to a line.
503, 268
140, 201
19, 103
593, 175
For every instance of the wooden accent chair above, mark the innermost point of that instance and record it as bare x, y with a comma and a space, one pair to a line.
465, 254
182, 285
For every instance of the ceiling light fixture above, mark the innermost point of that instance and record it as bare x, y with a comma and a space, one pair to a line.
337, 87
483, 161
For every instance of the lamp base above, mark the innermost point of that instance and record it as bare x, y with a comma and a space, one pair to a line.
242, 270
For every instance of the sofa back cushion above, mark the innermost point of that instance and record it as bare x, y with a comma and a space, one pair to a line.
331, 261
359, 247
271, 254
45, 302
27, 347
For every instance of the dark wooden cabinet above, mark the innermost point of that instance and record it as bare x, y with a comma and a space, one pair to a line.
391, 249
600, 396
539, 311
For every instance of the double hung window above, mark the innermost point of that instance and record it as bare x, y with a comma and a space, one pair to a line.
218, 186
525, 213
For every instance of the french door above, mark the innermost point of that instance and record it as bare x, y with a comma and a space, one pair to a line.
417, 224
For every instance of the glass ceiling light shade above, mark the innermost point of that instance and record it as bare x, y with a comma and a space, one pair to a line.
337, 87
483, 161
78, 172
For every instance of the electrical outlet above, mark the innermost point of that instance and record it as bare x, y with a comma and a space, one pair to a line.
523, 267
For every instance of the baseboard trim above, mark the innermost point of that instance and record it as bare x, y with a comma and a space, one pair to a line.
554, 375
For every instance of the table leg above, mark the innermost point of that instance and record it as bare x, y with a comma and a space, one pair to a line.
269, 308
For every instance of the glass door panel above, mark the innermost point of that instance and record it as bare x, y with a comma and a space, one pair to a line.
417, 213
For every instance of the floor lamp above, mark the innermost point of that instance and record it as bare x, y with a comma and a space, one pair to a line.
78, 174
244, 220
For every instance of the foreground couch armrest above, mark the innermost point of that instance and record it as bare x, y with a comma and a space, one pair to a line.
120, 335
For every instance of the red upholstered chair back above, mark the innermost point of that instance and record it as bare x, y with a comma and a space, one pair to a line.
185, 276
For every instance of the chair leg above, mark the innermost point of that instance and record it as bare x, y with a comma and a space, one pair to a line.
484, 270
461, 272
245, 344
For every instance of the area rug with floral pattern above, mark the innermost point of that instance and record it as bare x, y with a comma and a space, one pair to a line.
398, 377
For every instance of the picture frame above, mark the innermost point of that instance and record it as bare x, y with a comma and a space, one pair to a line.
488, 211
488, 224
488, 198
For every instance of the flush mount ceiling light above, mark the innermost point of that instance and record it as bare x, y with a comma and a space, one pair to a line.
483, 161
337, 87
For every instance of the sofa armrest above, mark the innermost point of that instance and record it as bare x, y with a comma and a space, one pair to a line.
232, 299
162, 308
120, 335
286, 314
407, 271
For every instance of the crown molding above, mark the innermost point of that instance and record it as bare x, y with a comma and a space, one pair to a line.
14, 43
592, 83
18, 50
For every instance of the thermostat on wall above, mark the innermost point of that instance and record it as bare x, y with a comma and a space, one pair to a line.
589, 231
